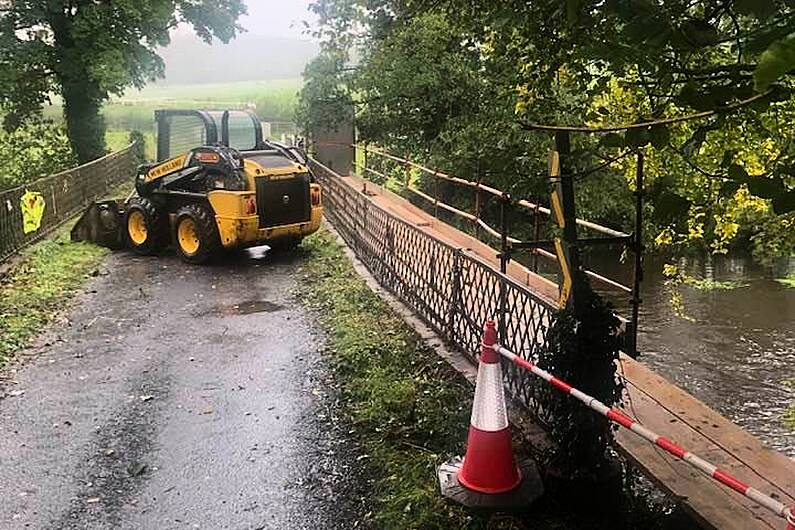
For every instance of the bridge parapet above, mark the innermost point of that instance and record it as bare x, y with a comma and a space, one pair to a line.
448, 279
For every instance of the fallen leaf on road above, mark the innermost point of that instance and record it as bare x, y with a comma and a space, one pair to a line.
136, 469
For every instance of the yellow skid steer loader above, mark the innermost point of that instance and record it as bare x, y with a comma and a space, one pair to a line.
222, 191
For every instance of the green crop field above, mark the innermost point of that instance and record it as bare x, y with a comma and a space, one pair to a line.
273, 100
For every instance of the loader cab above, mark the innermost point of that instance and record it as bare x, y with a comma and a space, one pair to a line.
180, 130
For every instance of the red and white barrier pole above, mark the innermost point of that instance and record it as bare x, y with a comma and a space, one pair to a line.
489, 466
622, 419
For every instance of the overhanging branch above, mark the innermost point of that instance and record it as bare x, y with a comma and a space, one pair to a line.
643, 125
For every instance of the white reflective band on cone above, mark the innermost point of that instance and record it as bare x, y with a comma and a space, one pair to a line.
488, 410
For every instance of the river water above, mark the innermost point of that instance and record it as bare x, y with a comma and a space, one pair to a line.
739, 348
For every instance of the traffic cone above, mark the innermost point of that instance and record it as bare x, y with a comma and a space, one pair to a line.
489, 466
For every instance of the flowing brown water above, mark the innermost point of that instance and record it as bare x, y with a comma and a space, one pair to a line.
736, 353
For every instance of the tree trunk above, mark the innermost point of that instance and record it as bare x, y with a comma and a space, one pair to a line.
84, 123
82, 95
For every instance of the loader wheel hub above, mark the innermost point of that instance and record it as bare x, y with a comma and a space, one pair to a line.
136, 226
187, 236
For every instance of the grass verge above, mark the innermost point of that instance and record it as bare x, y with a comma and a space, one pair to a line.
35, 290
407, 408
788, 281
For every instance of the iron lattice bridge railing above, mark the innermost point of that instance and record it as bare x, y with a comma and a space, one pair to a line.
64, 195
451, 289
522, 228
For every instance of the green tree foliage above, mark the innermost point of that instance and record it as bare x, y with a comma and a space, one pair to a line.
460, 83
85, 50
325, 98
36, 150
139, 139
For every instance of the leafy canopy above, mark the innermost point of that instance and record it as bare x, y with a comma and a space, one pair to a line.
456, 81
38, 149
85, 50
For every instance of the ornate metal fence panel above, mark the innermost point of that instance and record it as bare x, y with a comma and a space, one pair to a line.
63, 195
451, 289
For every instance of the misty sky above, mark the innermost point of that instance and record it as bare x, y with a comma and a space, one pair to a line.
274, 35
275, 18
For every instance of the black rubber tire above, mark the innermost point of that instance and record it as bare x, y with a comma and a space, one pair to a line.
206, 232
156, 222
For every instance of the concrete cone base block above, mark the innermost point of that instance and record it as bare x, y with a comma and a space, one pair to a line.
515, 500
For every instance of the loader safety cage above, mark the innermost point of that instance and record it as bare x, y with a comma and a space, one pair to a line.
180, 130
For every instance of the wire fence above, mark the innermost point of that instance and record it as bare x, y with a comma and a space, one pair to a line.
450, 288
31, 211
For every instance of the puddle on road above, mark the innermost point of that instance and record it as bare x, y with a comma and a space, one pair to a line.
243, 308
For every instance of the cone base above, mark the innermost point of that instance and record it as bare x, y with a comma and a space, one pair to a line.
516, 500
489, 466
491, 491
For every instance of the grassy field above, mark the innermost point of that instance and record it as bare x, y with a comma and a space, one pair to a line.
273, 100
117, 140
789, 281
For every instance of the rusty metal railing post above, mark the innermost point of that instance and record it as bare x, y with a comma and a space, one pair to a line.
504, 259
638, 250
436, 193
536, 234
455, 297
477, 205
477, 211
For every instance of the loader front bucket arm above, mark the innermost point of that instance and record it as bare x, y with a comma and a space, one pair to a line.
102, 223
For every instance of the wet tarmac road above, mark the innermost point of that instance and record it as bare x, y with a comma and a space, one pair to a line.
174, 396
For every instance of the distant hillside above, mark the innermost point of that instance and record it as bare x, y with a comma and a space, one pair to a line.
247, 58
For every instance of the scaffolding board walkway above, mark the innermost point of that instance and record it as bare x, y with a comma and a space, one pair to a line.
649, 399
